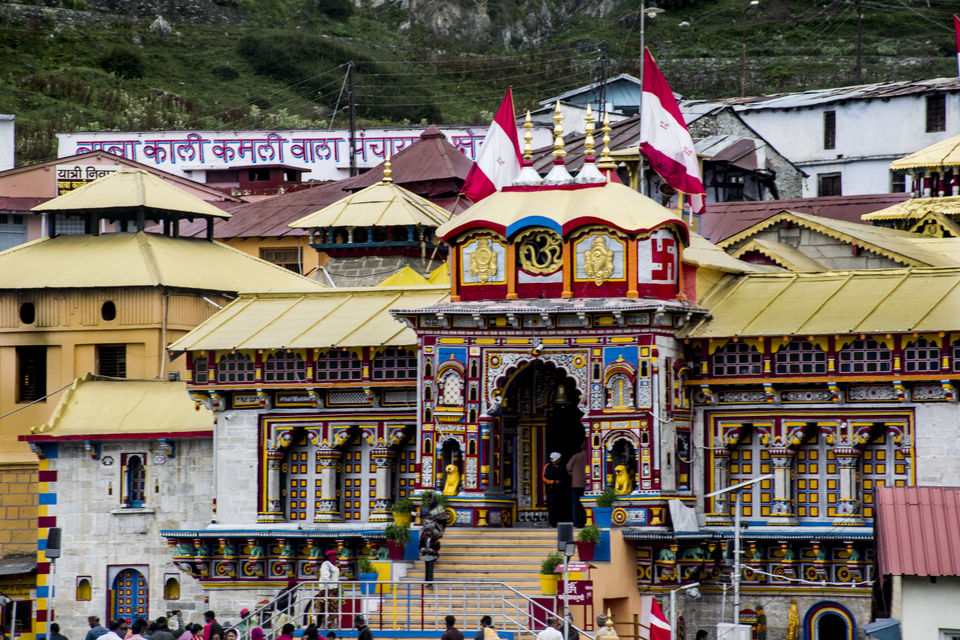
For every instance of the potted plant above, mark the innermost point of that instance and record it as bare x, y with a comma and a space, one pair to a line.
587, 539
402, 511
603, 510
548, 577
397, 539
367, 575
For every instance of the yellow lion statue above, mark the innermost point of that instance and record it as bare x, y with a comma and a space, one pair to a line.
624, 483
451, 482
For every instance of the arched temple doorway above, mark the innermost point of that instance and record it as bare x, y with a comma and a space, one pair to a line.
538, 414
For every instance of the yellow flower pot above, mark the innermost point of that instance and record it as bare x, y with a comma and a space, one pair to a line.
402, 519
548, 584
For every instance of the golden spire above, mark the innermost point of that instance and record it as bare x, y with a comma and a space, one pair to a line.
528, 138
588, 129
558, 151
387, 170
606, 162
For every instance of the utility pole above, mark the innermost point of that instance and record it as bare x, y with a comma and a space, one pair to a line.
603, 80
353, 121
859, 36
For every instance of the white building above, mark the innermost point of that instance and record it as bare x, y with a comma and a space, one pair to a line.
7, 142
845, 138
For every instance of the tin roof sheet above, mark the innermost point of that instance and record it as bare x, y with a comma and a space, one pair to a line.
784, 255
916, 208
332, 318
945, 153
833, 302
917, 529
95, 406
379, 205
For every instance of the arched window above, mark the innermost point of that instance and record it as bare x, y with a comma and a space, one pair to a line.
619, 392
284, 366
338, 364
865, 356
136, 481
800, 357
84, 588
451, 389
171, 588
235, 367
921, 356
737, 359
395, 363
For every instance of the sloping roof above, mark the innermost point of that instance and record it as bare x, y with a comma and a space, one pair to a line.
379, 205
406, 277
129, 189
204, 192
428, 167
917, 529
141, 260
332, 318
564, 209
623, 77
723, 219
945, 153
783, 254
703, 253
910, 249
916, 208
98, 407
832, 302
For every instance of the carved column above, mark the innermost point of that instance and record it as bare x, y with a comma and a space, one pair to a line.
383, 461
720, 513
848, 506
328, 464
782, 510
274, 506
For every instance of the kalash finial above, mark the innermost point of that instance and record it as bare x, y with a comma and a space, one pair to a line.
558, 174
528, 175
589, 174
387, 170
558, 151
606, 162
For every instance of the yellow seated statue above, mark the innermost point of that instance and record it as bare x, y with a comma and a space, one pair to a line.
451, 483
624, 484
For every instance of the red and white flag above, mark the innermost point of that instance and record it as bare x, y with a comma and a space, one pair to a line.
498, 162
659, 627
956, 32
664, 138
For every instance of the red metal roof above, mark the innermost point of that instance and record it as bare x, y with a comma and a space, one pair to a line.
724, 219
916, 531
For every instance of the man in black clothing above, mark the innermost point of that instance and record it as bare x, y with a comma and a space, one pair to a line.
485, 621
363, 631
55, 632
452, 633
552, 477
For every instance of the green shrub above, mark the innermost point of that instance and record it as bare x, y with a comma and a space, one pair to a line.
335, 9
403, 505
122, 60
365, 566
550, 563
607, 498
590, 533
396, 533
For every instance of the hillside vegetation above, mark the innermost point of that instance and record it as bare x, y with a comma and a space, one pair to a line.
82, 65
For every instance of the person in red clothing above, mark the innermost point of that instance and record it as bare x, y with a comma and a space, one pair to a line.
286, 632
452, 633
212, 629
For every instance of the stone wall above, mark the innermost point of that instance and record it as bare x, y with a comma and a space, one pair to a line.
368, 271
18, 510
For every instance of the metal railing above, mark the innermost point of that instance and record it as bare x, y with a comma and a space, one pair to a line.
408, 606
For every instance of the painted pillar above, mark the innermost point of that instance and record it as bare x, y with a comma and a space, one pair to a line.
274, 507
848, 506
383, 462
486, 428
782, 511
328, 463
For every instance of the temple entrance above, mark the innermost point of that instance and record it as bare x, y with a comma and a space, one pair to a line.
539, 415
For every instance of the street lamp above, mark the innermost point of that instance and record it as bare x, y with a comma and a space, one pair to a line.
692, 592
743, 45
736, 535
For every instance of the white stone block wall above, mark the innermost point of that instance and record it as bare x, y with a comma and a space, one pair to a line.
238, 451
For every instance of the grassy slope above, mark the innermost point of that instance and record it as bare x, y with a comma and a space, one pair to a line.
53, 79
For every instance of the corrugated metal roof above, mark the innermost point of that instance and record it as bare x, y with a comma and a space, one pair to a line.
384, 204
783, 254
97, 406
141, 260
724, 219
131, 188
909, 249
917, 529
331, 318
916, 208
703, 253
945, 153
832, 302
624, 78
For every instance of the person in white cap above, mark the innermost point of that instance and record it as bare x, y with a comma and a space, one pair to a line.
552, 477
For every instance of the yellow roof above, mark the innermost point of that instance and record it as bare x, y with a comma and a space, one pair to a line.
564, 208
383, 204
917, 208
130, 188
832, 302
332, 318
784, 255
440, 275
945, 153
95, 406
141, 260
703, 253
909, 249
406, 277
